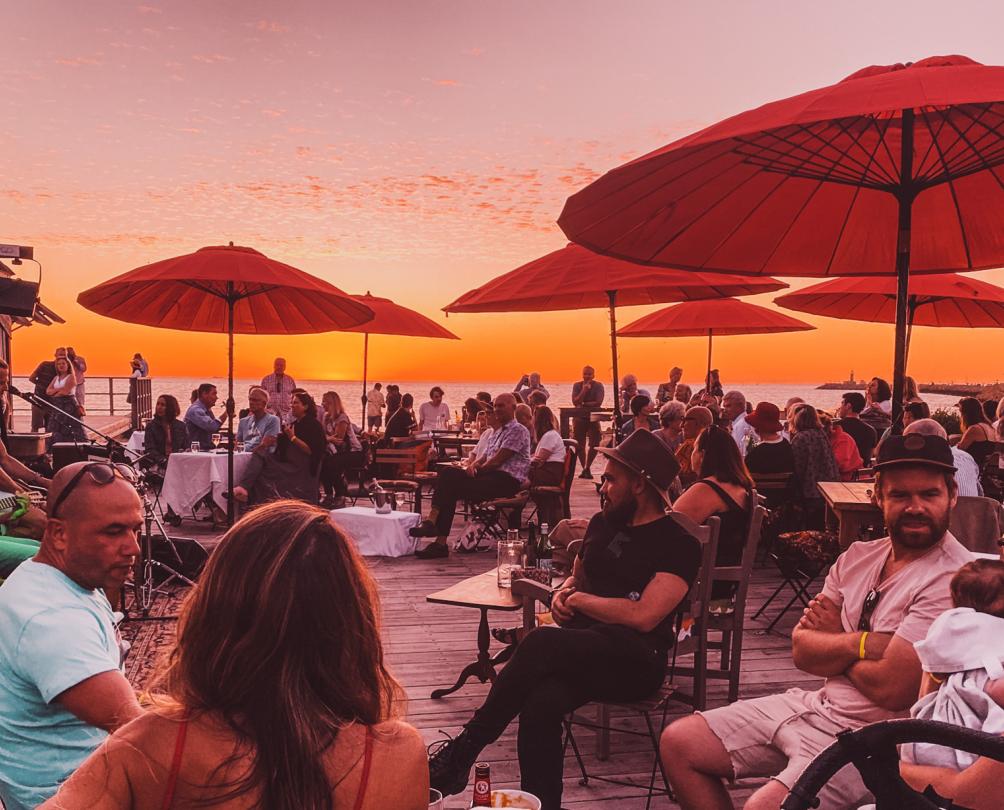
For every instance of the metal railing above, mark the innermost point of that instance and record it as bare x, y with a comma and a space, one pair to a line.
107, 396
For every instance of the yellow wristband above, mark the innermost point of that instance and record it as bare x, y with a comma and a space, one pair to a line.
936, 679
861, 646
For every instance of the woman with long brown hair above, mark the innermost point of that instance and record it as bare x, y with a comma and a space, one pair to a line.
276, 693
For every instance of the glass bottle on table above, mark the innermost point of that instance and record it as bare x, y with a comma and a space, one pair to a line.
482, 785
216, 438
545, 552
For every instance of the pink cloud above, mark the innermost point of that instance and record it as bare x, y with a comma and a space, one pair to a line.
211, 58
474, 52
80, 61
446, 82
271, 26
145, 9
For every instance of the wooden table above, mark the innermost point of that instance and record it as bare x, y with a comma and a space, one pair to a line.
481, 592
455, 443
852, 504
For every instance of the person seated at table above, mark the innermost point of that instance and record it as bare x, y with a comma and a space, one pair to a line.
435, 413
666, 391
471, 409
165, 434
309, 721
878, 600
547, 464
878, 405
61, 687
402, 424
771, 453
640, 417
344, 451
845, 450
615, 619
499, 474
629, 390
849, 412
696, 419
200, 422
524, 415
259, 423
967, 474
814, 462
671, 416
491, 422
292, 470
535, 399
724, 489
979, 438
683, 394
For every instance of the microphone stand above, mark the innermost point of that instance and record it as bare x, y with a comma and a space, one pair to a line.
41, 402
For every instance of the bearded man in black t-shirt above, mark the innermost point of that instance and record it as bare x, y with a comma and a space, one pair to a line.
615, 615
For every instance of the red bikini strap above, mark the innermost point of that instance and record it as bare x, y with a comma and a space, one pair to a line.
367, 762
172, 777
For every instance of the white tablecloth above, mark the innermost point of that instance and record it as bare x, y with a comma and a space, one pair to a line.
192, 476
378, 535
135, 444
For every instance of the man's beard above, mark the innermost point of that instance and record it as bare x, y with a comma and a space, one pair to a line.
620, 514
936, 530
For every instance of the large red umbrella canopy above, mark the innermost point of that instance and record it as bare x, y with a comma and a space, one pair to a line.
191, 292
945, 299
393, 319
713, 319
576, 278
229, 289
896, 169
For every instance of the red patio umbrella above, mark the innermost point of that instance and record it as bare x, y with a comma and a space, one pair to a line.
576, 278
894, 170
393, 319
226, 289
942, 300
723, 317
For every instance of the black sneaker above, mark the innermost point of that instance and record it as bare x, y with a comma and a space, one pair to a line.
450, 763
586, 474
433, 551
424, 529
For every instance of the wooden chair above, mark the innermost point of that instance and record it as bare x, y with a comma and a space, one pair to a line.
545, 497
978, 523
731, 620
657, 706
991, 474
408, 461
776, 492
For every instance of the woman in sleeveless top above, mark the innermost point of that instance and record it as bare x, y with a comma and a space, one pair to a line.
724, 490
979, 438
276, 694
62, 392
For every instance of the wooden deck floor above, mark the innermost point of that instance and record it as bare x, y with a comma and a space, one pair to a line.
427, 646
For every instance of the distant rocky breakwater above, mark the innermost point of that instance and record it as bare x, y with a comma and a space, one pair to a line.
978, 390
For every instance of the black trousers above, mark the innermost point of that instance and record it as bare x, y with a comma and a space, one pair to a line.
553, 671
455, 485
333, 469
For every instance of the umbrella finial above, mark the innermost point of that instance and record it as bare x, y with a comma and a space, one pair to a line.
231, 243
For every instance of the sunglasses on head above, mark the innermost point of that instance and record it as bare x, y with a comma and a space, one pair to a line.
101, 473
868, 608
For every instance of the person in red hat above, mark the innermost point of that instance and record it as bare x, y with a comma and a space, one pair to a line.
772, 452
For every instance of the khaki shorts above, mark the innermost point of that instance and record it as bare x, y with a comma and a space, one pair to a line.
778, 736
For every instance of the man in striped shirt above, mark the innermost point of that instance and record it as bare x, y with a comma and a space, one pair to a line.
279, 386
967, 472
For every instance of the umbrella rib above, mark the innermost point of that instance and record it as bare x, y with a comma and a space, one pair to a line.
978, 160
951, 189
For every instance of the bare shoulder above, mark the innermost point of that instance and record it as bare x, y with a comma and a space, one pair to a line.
399, 736
400, 775
996, 691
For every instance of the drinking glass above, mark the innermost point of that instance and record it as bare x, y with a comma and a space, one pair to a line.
196, 447
511, 555
436, 800
239, 447
467, 428
216, 437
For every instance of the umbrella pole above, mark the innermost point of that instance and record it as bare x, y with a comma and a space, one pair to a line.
904, 196
911, 312
230, 402
707, 377
612, 296
366, 360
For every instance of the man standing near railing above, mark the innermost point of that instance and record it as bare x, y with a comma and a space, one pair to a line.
40, 378
280, 390
80, 365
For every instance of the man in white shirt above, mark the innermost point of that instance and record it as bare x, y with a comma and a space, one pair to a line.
734, 410
435, 413
280, 387
374, 405
967, 472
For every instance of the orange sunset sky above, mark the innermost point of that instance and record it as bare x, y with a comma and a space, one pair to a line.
415, 149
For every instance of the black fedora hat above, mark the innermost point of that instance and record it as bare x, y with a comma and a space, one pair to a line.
647, 455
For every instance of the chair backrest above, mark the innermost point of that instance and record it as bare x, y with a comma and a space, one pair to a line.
740, 574
978, 523
407, 459
568, 475
772, 481
699, 599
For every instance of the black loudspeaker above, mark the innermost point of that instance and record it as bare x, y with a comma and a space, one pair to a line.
193, 557
17, 297
64, 453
